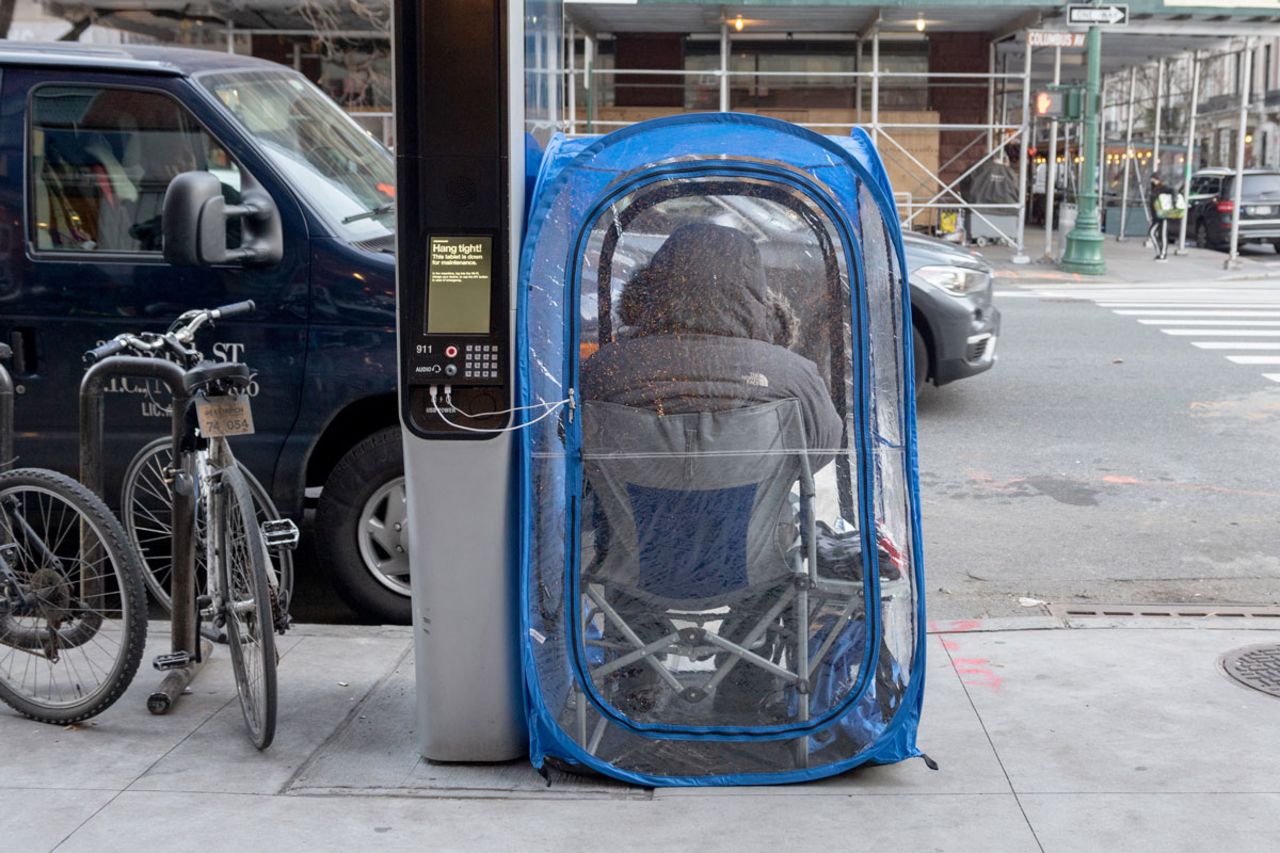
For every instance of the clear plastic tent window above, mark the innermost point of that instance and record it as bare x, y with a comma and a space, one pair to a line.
720, 564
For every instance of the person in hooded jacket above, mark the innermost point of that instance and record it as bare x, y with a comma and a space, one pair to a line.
704, 332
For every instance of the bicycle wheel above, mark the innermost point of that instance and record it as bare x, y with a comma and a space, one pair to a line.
247, 604
73, 618
146, 504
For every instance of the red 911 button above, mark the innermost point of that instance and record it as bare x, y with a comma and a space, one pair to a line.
451, 351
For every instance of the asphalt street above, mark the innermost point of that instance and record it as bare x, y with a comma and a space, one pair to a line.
1123, 450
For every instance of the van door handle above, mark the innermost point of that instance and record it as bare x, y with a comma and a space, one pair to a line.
22, 342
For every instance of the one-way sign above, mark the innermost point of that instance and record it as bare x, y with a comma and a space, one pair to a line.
1113, 15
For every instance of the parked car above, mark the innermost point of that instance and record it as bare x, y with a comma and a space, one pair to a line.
90, 139
955, 320
1212, 198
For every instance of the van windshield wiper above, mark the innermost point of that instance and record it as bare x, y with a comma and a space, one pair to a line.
370, 213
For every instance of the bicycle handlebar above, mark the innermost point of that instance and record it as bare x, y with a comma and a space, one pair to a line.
176, 340
110, 348
235, 309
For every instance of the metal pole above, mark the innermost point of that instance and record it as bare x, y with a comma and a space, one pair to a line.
1020, 256
1191, 149
572, 124
1051, 179
231, 37
724, 68
875, 85
1155, 141
991, 98
588, 83
1102, 148
1084, 243
1246, 83
857, 83
1128, 152
6, 412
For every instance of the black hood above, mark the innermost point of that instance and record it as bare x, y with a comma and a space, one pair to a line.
704, 280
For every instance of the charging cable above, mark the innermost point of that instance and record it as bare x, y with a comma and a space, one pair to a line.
551, 408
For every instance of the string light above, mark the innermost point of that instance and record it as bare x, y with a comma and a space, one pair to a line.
920, 23
738, 23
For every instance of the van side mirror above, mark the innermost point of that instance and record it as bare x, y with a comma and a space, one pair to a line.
195, 223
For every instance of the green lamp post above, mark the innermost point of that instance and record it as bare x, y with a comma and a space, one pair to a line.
1084, 244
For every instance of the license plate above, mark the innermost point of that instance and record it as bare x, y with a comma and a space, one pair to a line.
224, 416
1260, 211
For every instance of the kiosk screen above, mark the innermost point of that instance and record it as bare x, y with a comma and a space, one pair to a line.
459, 279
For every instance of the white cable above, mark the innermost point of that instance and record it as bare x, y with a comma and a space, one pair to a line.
551, 410
448, 400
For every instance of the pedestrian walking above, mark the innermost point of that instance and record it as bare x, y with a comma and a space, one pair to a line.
1159, 230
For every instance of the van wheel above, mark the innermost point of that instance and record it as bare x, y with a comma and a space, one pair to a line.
362, 529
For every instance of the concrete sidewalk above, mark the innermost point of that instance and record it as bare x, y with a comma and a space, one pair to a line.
1126, 736
1131, 262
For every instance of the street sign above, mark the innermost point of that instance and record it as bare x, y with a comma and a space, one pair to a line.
1054, 38
1114, 15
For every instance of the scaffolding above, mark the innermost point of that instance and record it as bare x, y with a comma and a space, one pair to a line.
1009, 128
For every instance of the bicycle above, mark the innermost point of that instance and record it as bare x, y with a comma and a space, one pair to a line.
73, 619
238, 591
146, 510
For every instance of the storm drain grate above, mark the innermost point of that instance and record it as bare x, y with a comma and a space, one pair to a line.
1255, 666
1164, 611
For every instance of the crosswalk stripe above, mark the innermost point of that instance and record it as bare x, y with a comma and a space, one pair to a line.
1274, 377
1236, 345
1162, 313
1164, 321
1226, 333
1234, 306
1254, 359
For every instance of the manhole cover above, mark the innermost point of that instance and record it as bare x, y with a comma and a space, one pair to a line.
1255, 666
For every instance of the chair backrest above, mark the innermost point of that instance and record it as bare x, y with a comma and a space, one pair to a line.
692, 509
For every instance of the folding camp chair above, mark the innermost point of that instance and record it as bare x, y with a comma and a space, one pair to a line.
701, 563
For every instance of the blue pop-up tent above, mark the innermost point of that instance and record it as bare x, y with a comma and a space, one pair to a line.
721, 574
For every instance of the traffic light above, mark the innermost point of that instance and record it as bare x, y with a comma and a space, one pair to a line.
1064, 103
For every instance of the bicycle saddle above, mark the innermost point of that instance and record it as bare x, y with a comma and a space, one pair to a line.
206, 374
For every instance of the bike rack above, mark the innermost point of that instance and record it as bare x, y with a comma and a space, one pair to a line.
92, 427
6, 418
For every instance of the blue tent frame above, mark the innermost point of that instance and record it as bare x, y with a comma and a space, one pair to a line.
658, 149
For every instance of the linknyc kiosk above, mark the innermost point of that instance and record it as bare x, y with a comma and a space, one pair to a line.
660, 431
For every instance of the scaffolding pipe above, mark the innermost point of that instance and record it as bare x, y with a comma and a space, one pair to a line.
724, 67
1128, 152
1191, 150
991, 98
1102, 146
1051, 178
875, 86
857, 82
588, 85
572, 124
1155, 141
1237, 187
1020, 256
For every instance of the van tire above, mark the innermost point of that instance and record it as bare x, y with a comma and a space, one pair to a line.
369, 472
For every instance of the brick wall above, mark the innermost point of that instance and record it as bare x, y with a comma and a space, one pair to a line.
956, 101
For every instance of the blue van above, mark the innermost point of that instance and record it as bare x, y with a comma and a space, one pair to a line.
89, 141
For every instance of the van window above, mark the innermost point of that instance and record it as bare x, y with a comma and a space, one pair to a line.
100, 160
348, 177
